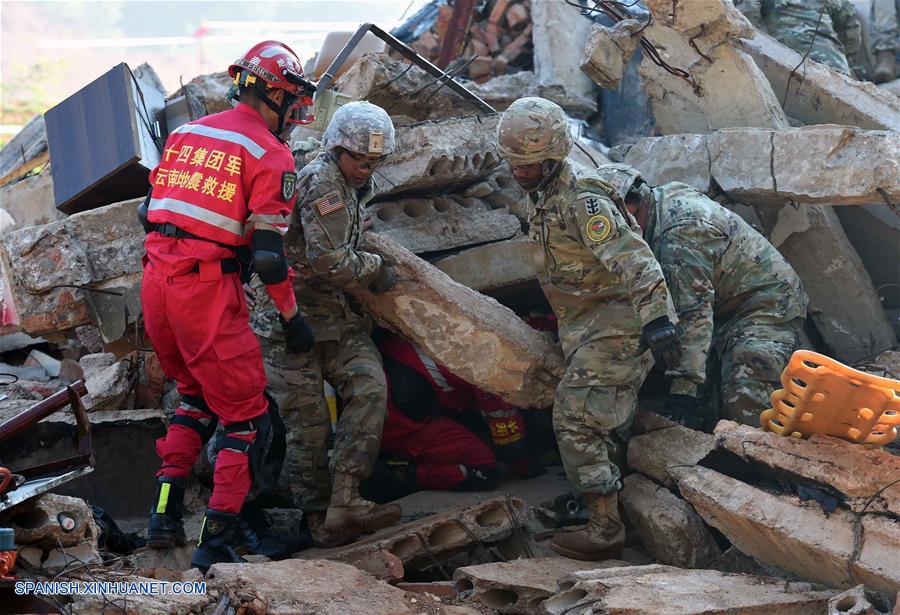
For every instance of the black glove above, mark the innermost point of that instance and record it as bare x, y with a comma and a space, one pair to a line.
661, 337
385, 280
682, 409
298, 337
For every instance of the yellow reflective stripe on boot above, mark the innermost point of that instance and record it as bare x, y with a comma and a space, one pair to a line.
202, 527
163, 498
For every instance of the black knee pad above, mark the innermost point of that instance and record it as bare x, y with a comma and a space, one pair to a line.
204, 431
266, 451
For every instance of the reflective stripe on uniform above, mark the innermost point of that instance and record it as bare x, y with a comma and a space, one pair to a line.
198, 213
255, 150
163, 501
266, 222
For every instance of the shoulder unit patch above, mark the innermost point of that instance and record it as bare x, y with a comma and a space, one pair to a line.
329, 203
592, 206
288, 185
598, 228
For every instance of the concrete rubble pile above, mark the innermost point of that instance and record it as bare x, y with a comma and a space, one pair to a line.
738, 521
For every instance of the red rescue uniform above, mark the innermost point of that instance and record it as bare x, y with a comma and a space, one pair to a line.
440, 446
221, 178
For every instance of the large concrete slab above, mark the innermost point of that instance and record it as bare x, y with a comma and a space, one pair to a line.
438, 535
52, 268
654, 454
864, 476
725, 88
671, 531
675, 591
441, 223
559, 34
440, 155
839, 550
297, 586
521, 585
834, 165
818, 94
473, 335
843, 303
493, 265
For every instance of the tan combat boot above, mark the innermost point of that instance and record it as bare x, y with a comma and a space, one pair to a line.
604, 536
885, 67
348, 509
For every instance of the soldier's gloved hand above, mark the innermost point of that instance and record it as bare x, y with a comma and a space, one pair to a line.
662, 338
681, 408
298, 337
385, 280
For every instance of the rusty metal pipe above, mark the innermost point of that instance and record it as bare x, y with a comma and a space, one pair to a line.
42, 410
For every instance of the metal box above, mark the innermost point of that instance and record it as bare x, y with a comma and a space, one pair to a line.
103, 141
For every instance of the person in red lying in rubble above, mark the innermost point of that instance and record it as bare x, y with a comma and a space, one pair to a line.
224, 186
437, 451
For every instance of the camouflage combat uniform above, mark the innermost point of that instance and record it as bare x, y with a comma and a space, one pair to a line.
604, 285
323, 245
793, 23
734, 292
885, 30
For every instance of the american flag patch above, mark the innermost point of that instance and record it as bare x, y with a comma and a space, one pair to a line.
329, 203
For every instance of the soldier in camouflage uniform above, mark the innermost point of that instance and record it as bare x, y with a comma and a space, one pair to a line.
734, 292
885, 39
323, 242
793, 23
611, 301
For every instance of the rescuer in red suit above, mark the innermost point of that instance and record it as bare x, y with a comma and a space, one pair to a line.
217, 210
445, 453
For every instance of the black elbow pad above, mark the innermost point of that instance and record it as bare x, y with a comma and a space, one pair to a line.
267, 250
271, 267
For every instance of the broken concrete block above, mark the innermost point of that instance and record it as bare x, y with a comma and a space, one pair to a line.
655, 453
559, 34
843, 303
852, 602
699, 38
665, 589
211, 91
670, 530
520, 585
316, 586
818, 94
49, 364
109, 387
383, 565
683, 158
176, 558
608, 50
839, 550
93, 363
46, 519
401, 89
817, 164
835, 165
29, 202
442, 534
862, 475
29, 557
440, 223
501, 91
188, 602
474, 336
440, 155
58, 560
493, 265
46, 265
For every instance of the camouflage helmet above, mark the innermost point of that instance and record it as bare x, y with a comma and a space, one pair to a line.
532, 130
620, 177
362, 128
